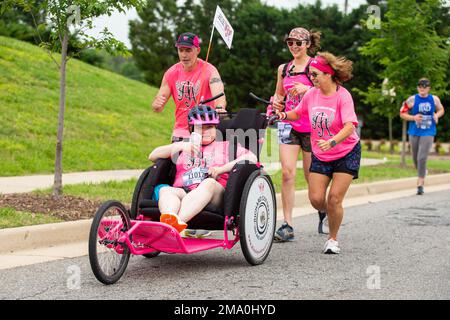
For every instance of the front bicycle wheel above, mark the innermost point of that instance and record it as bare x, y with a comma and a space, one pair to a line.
107, 255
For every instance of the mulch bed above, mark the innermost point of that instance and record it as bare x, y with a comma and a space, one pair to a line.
67, 208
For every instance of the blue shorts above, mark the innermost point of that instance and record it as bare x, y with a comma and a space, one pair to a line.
348, 164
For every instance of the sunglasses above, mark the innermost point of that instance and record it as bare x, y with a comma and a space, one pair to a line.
423, 84
290, 43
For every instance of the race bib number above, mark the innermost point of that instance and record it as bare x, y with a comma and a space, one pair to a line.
426, 122
284, 133
195, 176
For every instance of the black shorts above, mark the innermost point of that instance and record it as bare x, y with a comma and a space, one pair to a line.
348, 164
302, 139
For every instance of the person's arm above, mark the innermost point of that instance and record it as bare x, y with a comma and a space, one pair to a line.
167, 151
214, 172
299, 88
216, 86
406, 107
279, 95
343, 134
161, 97
439, 109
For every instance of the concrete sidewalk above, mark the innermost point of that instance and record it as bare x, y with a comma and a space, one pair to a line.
23, 184
49, 242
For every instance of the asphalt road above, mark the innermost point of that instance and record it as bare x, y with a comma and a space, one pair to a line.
398, 249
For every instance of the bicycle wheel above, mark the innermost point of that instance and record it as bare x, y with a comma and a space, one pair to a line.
109, 257
257, 217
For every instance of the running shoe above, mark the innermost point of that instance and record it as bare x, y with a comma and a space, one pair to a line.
420, 190
192, 233
284, 233
173, 220
331, 247
323, 223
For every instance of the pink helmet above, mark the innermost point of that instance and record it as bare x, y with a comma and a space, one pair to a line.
202, 115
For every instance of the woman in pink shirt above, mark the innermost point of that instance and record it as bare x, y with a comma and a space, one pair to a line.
201, 170
336, 151
293, 136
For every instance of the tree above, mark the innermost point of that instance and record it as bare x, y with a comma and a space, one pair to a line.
62, 15
153, 38
408, 47
20, 24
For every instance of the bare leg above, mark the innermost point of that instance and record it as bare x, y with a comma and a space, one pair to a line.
170, 199
317, 190
288, 157
306, 164
196, 200
341, 183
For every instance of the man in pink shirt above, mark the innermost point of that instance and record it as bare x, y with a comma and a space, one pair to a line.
188, 82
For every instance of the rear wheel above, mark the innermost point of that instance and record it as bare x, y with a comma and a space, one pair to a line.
257, 217
109, 257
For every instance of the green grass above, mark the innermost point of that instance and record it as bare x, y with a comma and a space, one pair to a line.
109, 123
9, 218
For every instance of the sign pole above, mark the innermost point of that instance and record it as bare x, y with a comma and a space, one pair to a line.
206, 62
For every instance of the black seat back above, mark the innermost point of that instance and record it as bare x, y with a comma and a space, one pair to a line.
247, 128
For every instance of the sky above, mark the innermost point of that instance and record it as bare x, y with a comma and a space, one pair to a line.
117, 23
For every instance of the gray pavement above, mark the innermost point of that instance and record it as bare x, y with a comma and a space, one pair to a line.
395, 249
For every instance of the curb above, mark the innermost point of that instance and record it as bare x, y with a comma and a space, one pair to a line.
54, 234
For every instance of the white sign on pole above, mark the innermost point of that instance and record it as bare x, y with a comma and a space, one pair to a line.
224, 27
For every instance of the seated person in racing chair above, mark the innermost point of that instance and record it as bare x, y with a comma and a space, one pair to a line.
201, 169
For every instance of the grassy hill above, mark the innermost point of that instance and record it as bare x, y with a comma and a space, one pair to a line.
109, 123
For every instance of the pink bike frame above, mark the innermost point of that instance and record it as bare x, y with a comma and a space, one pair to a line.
145, 237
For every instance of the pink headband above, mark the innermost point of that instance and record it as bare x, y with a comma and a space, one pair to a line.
322, 65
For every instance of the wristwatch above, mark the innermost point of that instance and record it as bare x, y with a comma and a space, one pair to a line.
332, 143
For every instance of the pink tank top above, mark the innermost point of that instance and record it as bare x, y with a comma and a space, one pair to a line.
292, 101
187, 88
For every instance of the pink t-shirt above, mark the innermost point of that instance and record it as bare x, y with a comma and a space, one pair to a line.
292, 101
328, 114
187, 88
191, 171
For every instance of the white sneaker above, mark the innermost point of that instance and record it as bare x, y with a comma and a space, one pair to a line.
331, 247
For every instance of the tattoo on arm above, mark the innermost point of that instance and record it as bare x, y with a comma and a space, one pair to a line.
410, 101
215, 80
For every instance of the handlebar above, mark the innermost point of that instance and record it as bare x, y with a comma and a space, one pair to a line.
272, 119
212, 99
251, 94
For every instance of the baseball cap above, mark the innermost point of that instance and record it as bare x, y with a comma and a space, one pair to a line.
298, 34
188, 39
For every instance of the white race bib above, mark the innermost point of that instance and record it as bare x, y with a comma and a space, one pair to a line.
284, 133
195, 176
